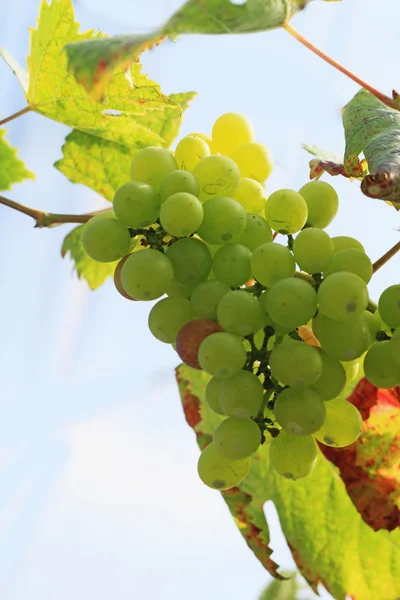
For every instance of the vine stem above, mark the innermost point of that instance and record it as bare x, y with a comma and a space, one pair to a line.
47, 219
21, 112
382, 97
386, 257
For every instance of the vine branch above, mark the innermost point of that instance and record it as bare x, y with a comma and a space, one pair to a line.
48, 219
297, 36
21, 112
386, 257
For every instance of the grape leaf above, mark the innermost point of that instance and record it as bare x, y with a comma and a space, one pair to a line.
12, 169
281, 590
20, 73
94, 272
372, 128
93, 61
329, 540
54, 93
103, 165
370, 467
327, 162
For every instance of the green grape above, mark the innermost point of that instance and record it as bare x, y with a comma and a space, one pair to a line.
181, 214
147, 275
279, 329
117, 278
313, 250
295, 363
241, 396
206, 297
332, 379
300, 410
381, 367
342, 340
191, 260
218, 472
344, 242
374, 323
176, 290
395, 344
293, 456
168, 316
151, 165
271, 262
256, 233
190, 151
237, 438
190, 337
230, 131
351, 368
343, 425
214, 393
105, 239
136, 204
224, 221
389, 305
322, 203
291, 302
251, 195
240, 313
286, 211
204, 137
353, 261
217, 175
343, 296
222, 355
178, 181
231, 264
254, 161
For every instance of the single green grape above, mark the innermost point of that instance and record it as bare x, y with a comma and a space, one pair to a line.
374, 323
351, 368
168, 316
237, 439
136, 204
217, 175
147, 275
213, 394
203, 136
295, 363
251, 195
218, 472
286, 211
191, 260
343, 242
190, 151
271, 262
105, 239
293, 456
176, 290
345, 340
241, 396
332, 380
254, 161
151, 165
380, 365
322, 203
389, 305
343, 424
230, 131
300, 410
291, 302
181, 214
178, 181
206, 297
240, 313
313, 250
256, 233
343, 296
280, 330
222, 355
224, 221
231, 264
351, 260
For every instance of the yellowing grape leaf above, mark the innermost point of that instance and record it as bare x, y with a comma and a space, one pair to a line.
372, 128
19, 72
370, 468
94, 272
92, 62
327, 162
12, 169
103, 165
329, 540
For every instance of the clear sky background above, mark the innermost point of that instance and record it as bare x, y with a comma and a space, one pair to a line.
99, 495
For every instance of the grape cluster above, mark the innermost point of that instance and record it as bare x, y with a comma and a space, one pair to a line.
280, 342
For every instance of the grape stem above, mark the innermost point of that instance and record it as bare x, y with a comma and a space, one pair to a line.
386, 257
21, 112
297, 36
48, 219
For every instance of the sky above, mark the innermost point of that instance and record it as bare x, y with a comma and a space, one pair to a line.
99, 495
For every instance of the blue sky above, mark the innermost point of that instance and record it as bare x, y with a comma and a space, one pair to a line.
99, 495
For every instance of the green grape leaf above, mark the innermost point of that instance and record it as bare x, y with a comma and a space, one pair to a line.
330, 542
327, 162
93, 61
94, 272
54, 92
17, 69
370, 466
372, 128
281, 590
12, 169
103, 165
